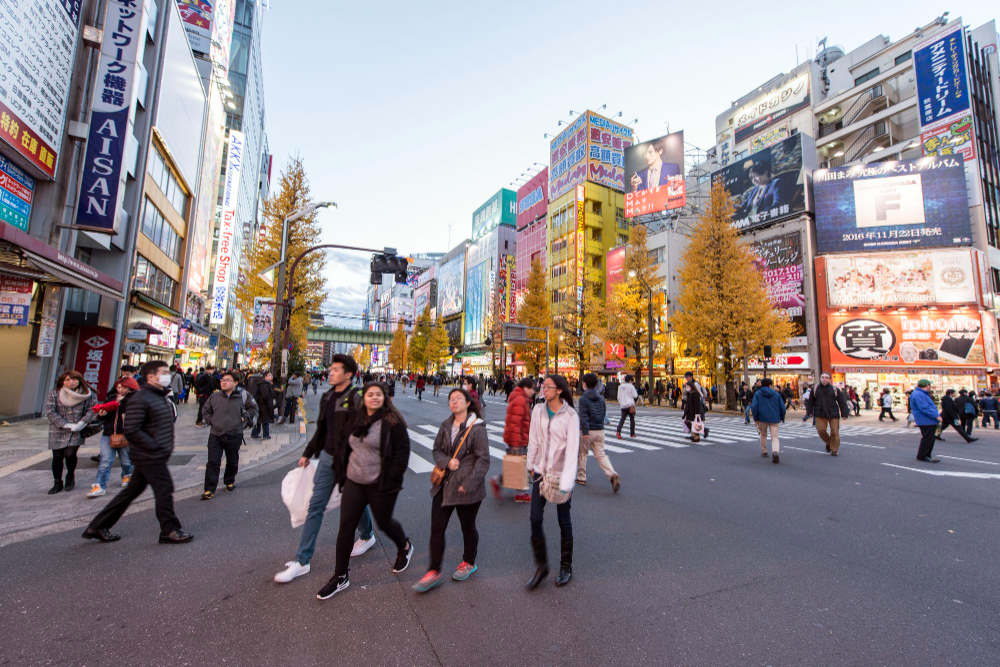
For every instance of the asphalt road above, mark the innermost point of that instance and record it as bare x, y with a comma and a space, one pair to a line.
710, 555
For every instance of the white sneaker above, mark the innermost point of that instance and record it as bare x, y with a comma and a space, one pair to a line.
362, 546
96, 491
292, 571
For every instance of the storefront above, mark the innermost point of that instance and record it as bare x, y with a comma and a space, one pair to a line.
193, 350
791, 369
901, 380
161, 336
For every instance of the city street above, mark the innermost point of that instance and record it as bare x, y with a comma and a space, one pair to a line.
709, 555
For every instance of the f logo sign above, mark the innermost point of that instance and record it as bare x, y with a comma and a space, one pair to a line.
885, 202
889, 200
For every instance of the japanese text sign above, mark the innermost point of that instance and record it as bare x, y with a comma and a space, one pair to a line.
95, 356
780, 262
227, 230
533, 198
15, 300
17, 190
766, 186
940, 69
771, 107
501, 209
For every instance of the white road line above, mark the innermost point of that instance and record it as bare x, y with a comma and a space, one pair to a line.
956, 458
418, 465
858, 444
427, 442
946, 473
800, 449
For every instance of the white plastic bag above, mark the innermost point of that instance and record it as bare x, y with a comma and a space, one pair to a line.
698, 426
297, 490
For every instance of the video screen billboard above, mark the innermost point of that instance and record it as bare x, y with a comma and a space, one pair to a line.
901, 279
476, 290
615, 266
654, 175
533, 198
780, 261
903, 204
766, 186
451, 286
421, 298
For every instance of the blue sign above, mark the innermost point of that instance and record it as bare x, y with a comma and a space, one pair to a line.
942, 85
17, 190
13, 315
474, 310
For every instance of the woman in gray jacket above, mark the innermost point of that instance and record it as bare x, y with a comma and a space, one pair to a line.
68, 409
462, 450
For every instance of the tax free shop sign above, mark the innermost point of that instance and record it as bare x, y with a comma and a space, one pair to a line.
227, 229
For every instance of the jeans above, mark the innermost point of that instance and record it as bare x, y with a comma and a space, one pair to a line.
627, 412
201, 406
156, 475
108, 458
746, 412
355, 499
322, 490
291, 403
538, 510
440, 516
990, 414
266, 426
230, 444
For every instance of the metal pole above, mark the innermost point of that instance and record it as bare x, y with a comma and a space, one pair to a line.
546, 350
649, 326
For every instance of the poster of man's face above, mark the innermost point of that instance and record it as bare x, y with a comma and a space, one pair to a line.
650, 164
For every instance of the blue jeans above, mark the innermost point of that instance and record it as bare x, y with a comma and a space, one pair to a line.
747, 413
257, 427
107, 458
323, 485
538, 509
988, 415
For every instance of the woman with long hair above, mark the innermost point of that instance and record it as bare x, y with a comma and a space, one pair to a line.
369, 470
68, 409
553, 449
462, 450
113, 414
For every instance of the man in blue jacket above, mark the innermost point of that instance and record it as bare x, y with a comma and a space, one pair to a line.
925, 414
592, 411
768, 408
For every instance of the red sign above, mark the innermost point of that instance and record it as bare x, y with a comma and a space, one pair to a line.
95, 357
533, 199
615, 263
659, 198
26, 142
613, 350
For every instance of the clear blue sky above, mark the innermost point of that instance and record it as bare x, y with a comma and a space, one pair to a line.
410, 115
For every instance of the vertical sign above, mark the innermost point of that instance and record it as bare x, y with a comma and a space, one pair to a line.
580, 228
94, 357
197, 18
227, 229
17, 190
943, 94
15, 300
101, 186
50, 315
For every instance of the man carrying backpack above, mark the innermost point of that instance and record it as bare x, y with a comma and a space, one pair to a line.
967, 410
228, 412
828, 405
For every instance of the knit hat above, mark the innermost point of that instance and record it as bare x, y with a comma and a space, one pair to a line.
129, 383
924, 383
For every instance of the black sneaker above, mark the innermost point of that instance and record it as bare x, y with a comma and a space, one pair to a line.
208, 495
230, 487
334, 586
403, 558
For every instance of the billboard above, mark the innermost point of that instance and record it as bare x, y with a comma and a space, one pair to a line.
17, 191
654, 175
952, 136
263, 321
451, 286
476, 291
568, 158
501, 209
197, 18
614, 265
95, 357
590, 149
227, 229
421, 298
200, 228
15, 300
901, 279
766, 186
770, 137
771, 107
939, 66
903, 204
947, 338
780, 262
533, 198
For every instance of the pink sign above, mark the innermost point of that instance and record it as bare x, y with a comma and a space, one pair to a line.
533, 199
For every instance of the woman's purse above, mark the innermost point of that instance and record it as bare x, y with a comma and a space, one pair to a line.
117, 439
549, 488
437, 474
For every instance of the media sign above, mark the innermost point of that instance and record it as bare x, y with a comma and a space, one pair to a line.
767, 186
654, 175
590, 149
614, 266
451, 286
95, 357
533, 198
227, 229
771, 107
780, 262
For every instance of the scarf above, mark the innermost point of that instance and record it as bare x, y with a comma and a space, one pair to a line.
71, 398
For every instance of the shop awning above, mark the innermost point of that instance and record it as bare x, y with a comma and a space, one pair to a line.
23, 272
70, 278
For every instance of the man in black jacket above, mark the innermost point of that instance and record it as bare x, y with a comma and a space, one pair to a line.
204, 385
228, 412
149, 429
592, 409
951, 415
828, 405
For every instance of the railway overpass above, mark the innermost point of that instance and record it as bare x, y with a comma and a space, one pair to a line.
351, 336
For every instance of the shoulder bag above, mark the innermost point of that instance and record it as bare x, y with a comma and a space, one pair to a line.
437, 474
117, 439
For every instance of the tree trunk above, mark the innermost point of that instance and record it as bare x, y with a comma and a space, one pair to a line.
727, 369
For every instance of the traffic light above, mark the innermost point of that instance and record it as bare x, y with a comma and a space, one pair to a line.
388, 263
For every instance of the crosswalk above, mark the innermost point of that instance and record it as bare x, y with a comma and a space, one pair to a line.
654, 433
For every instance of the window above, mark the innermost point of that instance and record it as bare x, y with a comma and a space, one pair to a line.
166, 181
904, 57
153, 282
160, 232
597, 208
595, 234
866, 76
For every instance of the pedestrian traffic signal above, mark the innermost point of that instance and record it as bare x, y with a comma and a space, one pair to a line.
388, 263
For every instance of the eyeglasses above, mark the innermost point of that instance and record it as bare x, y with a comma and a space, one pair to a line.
546, 387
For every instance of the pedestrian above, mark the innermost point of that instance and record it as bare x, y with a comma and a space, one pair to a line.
293, 390
768, 410
553, 450
967, 409
264, 396
149, 429
469, 385
369, 467
228, 412
517, 422
68, 409
828, 405
852, 395
437, 384
481, 387
420, 388
337, 409
188, 384
176, 384
508, 386
204, 385
925, 414
950, 415
693, 404
593, 409
989, 406
886, 402
627, 396
113, 414
867, 397
805, 397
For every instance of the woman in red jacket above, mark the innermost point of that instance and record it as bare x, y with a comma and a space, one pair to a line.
515, 431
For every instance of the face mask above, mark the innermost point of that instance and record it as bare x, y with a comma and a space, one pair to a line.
163, 379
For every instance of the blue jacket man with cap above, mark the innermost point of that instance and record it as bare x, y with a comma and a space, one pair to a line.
926, 416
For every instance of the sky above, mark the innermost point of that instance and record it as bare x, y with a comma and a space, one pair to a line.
411, 115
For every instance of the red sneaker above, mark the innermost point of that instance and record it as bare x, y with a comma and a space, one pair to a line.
522, 498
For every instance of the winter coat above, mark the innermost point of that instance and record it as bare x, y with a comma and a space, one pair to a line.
960, 404
333, 422
229, 414
554, 444
204, 384
254, 381
518, 419
59, 414
149, 426
988, 403
694, 404
293, 388
177, 383
886, 400
767, 406
592, 409
265, 402
827, 402
922, 408
627, 395
394, 446
467, 485
118, 415
948, 412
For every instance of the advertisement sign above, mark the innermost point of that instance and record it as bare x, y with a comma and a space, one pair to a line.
590, 149
788, 361
17, 190
197, 18
201, 224
581, 229
654, 175
15, 300
940, 69
568, 158
170, 332
901, 279
941, 339
780, 262
95, 356
501, 209
421, 298
40, 41
451, 286
475, 307
533, 198
952, 136
227, 229
766, 186
614, 264
903, 204
772, 107
614, 351
102, 187
770, 137
50, 315
263, 321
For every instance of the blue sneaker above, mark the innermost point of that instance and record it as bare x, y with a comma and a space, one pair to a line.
464, 571
430, 580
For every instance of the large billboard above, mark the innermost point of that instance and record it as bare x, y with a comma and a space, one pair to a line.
903, 204
421, 298
17, 192
771, 107
614, 264
766, 186
568, 158
451, 286
500, 209
476, 307
197, 17
533, 198
224, 270
590, 149
901, 279
943, 94
780, 262
654, 175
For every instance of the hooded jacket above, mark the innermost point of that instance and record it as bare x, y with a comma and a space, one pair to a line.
592, 411
230, 414
767, 406
467, 485
518, 420
554, 444
627, 395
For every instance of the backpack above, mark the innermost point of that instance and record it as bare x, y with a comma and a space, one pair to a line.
243, 405
970, 408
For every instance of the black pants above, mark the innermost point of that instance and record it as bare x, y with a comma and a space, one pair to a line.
290, 404
886, 411
352, 504
439, 524
67, 454
538, 512
201, 406
967, 421
957, 427
928, 434
156, 475
627, 412
230, 445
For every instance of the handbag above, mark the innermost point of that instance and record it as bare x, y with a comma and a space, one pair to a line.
437, 474
91, 430
631, 409
117, 439
549, 488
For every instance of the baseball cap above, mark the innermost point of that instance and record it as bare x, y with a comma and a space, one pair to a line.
924, 383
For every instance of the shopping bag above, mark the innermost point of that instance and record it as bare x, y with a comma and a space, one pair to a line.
515, 472
698, 426
297, 489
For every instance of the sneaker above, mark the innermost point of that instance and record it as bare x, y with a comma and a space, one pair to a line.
582, 482
495, 488
430, 580
96, 491
522, 498
403, 558
230, 487
125, 480
292, 571
208, 495
334, 586
464, 571
362, 545
616, 483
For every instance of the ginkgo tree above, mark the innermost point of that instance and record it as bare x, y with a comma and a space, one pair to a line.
534, 311
398, 350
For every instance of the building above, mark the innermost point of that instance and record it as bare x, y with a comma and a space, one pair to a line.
425, 293
532, 228
451, 292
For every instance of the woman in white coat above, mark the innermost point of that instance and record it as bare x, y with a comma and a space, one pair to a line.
553, 449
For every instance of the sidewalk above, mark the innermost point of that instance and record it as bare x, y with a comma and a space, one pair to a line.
26, 472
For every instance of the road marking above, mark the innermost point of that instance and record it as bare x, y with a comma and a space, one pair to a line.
957, 458
418, 465
946, 473
858, 444
811, 451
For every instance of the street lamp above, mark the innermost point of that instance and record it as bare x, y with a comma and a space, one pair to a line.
557, 353
649, 322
